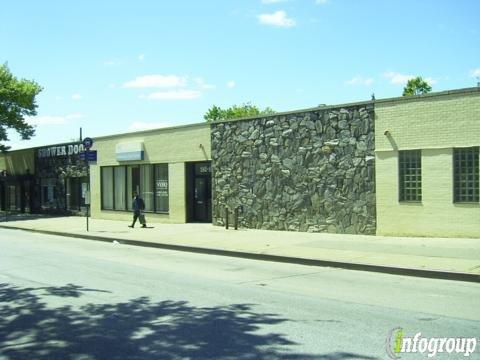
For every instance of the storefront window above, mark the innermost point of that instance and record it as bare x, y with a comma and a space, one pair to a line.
161, 187
120, 182
133, 183
76, 190
107, 188
48, 192
146, 186
14, 196
120, 188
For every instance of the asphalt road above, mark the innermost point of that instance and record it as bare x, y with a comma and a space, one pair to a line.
66, 298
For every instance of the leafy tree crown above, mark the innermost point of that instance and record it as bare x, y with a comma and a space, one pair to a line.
216, 113
416, 86
17, 100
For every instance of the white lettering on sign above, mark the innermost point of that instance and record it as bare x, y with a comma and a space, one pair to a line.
162, 188
64, 150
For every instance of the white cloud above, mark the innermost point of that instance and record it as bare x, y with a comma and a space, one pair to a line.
278, 18
158, 81
109, 63
141, 125
360, 80
174, 95
141, 57
231, 84
203, 85
430, 81
77, 97
321, 2
402, 79
74, 116
47, 120
397, 79
475, 72
53, 120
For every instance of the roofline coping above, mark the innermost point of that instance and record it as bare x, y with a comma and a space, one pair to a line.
359, 103
134, 133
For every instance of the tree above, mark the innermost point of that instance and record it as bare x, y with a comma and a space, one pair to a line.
17, 100
216, 113
416, 86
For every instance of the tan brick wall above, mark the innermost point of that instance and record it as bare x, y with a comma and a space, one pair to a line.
436, 126
430, 122
173, 146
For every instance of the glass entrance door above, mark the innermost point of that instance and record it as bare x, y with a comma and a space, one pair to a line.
199, 192
201, 199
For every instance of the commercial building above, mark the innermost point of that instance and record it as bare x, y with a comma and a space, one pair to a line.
170, 169
50, 179
400, 166
427, 164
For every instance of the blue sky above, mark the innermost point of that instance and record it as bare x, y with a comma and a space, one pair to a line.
118, 66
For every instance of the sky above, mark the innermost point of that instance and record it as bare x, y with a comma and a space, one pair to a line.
114, 67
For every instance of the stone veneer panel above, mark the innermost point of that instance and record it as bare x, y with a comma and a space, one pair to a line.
307, 171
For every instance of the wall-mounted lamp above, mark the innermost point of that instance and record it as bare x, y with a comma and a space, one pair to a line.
386, 132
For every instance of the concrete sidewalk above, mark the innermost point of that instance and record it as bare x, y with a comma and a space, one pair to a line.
442, 258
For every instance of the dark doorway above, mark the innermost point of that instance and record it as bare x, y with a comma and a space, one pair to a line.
199, 191
76, 188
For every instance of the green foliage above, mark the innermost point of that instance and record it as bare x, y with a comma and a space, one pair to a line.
416, 86
17, 100
216, 113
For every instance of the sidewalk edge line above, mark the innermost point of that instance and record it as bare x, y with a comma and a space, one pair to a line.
415, 272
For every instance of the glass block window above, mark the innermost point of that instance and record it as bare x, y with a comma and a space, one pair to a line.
410, 175
466, 175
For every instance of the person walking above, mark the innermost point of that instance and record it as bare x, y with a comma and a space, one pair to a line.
138, 205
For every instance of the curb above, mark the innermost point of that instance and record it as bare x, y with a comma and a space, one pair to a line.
415, 272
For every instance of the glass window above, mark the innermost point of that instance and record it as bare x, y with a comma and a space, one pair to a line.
466, 175
107, 188
120, 188
146, 186
133, 183
161, 188
410, 175
48, 192
120, 182
13, 197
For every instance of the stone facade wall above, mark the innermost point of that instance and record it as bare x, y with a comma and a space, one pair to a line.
307, 171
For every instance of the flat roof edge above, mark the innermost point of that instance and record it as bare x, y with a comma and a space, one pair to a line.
471, 90
205, 124
141, 132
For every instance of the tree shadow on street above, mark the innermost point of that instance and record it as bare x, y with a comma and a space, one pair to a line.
137, 329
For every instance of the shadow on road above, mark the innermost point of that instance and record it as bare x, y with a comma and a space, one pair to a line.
137, 329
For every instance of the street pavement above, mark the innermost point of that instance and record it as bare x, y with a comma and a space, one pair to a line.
448, 258
66, 298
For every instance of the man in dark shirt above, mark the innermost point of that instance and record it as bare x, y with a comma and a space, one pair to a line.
138, 205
